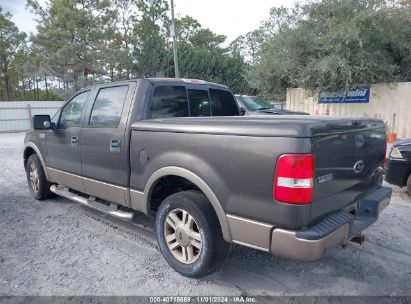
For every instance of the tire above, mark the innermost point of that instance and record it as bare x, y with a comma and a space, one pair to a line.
39, 186
409, 185
202, 230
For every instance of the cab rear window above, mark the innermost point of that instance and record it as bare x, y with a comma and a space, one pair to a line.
178, 101
168, 101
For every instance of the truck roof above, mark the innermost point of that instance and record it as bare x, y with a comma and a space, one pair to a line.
167, 81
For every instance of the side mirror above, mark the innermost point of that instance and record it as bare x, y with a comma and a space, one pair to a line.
41, 122
242, 111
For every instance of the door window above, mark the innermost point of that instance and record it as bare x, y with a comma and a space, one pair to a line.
71, 113
108, 107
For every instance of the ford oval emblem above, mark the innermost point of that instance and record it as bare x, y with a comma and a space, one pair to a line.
358, 166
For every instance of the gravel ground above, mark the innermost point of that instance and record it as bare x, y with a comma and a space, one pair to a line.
57, 247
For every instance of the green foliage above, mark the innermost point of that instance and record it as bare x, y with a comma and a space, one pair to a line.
81, 42
150, 39
70, 34
11, 41
321, 44
333, 44
212, 64
42, 94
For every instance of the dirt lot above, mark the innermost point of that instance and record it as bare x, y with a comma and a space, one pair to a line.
57, 247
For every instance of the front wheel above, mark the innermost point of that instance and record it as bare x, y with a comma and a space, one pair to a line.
36, 178
409, 185
189, 234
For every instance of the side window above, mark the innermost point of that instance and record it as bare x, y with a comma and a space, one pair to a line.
71, 113
199, 104
168, 101
108, 107
223, 103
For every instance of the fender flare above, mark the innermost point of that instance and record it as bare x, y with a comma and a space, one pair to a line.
200, 183
37, 150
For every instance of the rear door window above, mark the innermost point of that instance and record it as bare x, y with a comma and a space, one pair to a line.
108, 107
223, 103
168, 101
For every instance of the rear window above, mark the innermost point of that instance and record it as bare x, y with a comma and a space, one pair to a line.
176, 101
199, 103
169, 101
223, 103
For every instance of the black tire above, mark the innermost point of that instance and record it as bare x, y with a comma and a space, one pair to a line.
43, 189
214, 249
409, 185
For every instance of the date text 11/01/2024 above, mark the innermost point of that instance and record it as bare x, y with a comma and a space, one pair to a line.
203, 299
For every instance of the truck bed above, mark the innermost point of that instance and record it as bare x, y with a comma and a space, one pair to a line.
244, 186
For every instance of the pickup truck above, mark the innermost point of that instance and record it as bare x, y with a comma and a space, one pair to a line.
179, 150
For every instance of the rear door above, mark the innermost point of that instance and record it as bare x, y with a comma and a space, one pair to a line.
104, 148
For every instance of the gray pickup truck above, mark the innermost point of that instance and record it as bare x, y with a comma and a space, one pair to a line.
178, 150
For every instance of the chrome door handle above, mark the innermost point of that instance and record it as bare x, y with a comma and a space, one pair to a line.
74, 141
115, 146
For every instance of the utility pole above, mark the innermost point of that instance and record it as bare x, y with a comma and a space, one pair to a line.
173, 34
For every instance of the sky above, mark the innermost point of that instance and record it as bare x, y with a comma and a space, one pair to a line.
227, 17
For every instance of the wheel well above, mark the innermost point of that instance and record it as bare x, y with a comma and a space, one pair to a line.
166, 186
27, 153
406, 178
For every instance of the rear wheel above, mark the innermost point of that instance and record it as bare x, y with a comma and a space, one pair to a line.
409, 185
189, 234
36, 178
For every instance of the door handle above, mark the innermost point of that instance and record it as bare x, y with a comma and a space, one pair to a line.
74, 141
115, 146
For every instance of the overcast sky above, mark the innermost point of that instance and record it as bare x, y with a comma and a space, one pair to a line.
228, 17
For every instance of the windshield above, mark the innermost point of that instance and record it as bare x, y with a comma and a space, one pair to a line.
255, 103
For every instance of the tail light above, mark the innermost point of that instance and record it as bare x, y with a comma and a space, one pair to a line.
293, 179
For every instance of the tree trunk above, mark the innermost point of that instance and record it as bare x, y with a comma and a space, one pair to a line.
37, 89
6, 77
6, 80
23, 84
1, 93
47, 88
30, 91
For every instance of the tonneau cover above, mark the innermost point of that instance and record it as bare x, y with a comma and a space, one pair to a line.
279, 126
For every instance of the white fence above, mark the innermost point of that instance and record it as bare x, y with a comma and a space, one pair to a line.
17, 116
390, 102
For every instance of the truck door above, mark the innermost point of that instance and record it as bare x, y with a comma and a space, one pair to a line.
63, 157
104, 147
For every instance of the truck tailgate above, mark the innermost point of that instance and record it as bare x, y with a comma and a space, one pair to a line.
349, 157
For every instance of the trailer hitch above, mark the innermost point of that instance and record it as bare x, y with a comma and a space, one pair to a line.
359, 239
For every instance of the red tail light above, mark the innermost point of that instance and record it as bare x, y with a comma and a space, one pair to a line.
293, 179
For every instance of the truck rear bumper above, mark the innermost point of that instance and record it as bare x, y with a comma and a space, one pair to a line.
312, 243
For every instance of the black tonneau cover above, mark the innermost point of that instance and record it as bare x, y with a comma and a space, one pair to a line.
264, 126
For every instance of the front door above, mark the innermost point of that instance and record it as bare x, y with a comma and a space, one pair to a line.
63, 144
104, 151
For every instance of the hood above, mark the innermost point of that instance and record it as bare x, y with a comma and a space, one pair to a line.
277, 112
403, 142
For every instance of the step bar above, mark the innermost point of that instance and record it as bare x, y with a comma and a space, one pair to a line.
111, 209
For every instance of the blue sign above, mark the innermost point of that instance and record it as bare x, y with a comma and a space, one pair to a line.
355, 95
